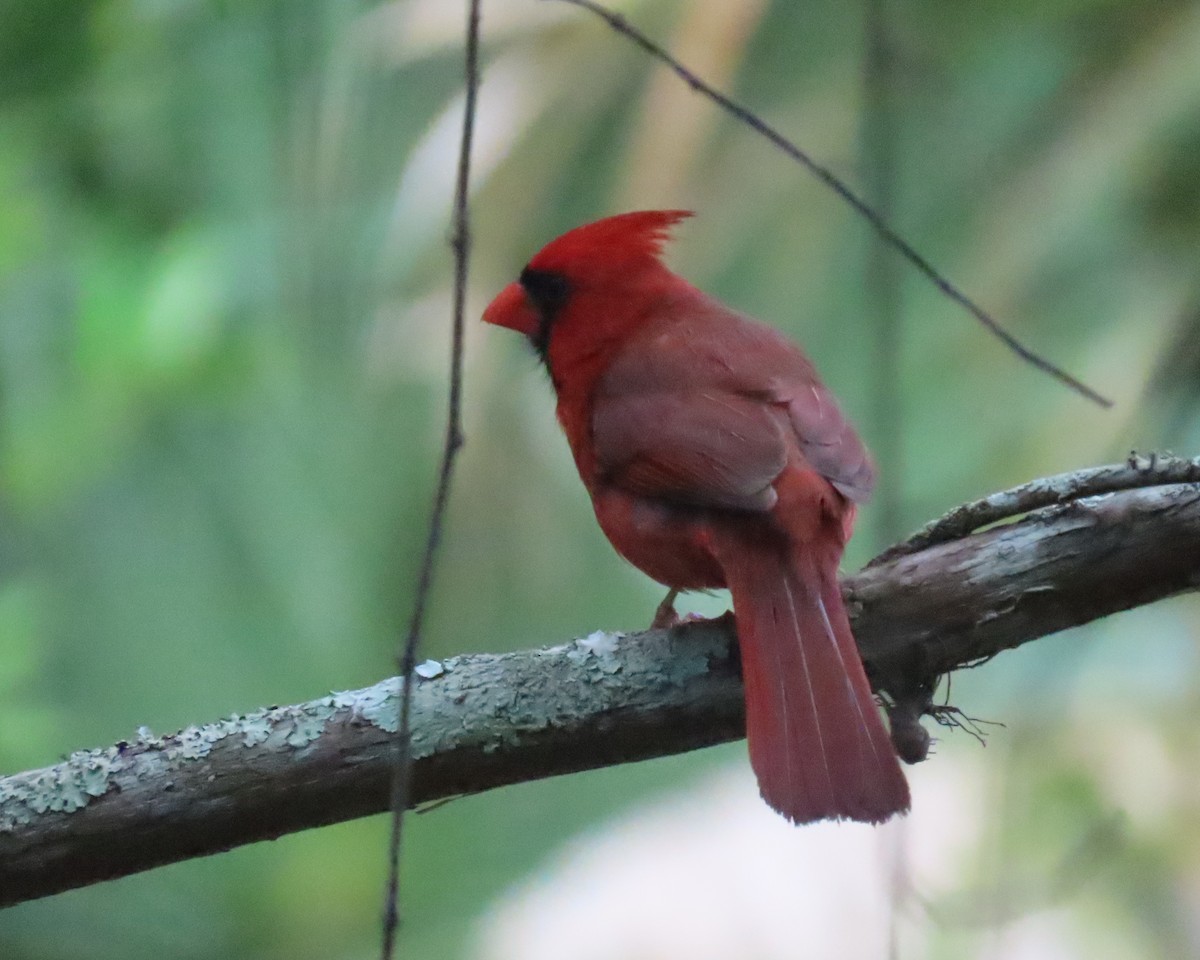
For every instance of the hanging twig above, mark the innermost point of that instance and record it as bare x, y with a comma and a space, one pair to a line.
838, 186
460, 241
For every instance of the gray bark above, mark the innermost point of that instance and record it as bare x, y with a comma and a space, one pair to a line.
481, 721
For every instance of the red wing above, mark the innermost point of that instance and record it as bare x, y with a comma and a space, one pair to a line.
704, 449
725, 381
827, 441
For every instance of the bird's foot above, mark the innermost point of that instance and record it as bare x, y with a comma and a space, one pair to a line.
665, 616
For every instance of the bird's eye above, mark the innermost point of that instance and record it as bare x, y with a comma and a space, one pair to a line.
547, 291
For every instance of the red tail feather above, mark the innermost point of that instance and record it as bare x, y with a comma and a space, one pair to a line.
817, 743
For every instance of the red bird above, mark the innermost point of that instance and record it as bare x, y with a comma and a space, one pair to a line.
715, 457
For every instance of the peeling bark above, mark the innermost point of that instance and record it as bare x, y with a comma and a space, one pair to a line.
481, 721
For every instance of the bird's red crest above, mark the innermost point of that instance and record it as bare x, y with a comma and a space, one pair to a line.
623, 239
594, 255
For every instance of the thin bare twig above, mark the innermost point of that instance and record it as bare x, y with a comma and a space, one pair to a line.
1149, 471
460, 242
838, 186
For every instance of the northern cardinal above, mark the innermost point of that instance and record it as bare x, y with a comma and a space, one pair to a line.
715, 457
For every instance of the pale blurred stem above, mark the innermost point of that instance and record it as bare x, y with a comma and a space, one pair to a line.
882, 272
489, 720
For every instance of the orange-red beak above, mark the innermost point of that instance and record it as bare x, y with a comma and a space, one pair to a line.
511, 309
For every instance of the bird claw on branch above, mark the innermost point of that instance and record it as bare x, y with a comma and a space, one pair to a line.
665, 617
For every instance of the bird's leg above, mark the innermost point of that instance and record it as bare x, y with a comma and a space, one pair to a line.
665, 616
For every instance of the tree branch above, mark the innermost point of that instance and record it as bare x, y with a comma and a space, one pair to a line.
1149, 471
481, 721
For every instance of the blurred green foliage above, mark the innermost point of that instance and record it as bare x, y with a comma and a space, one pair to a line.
223, 335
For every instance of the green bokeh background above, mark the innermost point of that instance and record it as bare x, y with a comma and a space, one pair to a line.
224, 309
